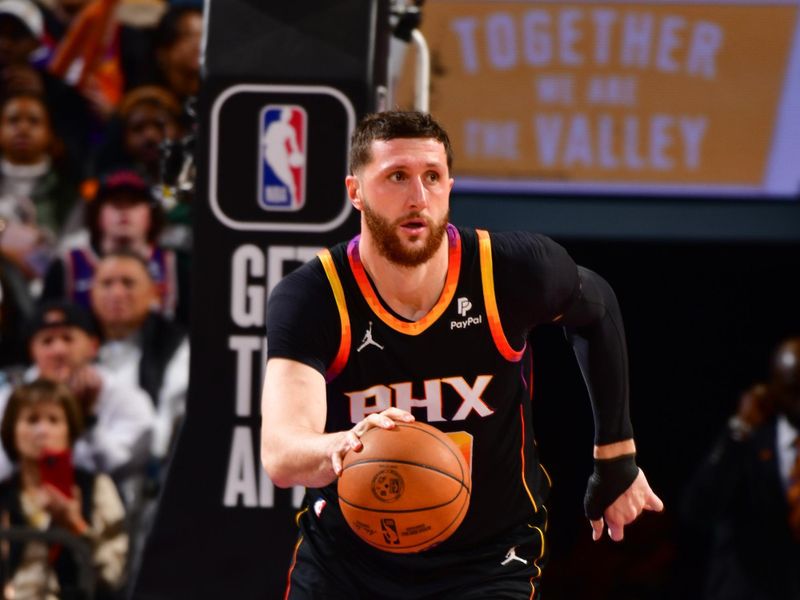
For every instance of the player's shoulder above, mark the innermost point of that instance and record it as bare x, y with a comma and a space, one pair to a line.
523, 245
307, 279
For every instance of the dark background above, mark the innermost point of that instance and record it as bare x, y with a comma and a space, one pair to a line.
701, 319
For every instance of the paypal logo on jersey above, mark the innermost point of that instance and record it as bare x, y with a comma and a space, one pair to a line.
282, 157
463, 305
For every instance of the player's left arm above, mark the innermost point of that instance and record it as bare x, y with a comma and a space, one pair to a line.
618, 490
537, 282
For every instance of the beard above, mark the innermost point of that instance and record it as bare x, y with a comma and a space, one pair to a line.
391, 247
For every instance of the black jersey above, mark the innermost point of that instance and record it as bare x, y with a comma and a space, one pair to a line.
464, 367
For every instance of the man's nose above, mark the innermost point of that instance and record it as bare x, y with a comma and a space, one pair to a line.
418, 193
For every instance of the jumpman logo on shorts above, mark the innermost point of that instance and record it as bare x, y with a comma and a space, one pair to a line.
512, 555
367, 340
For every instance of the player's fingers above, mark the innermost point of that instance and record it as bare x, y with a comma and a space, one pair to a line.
616, 532
374, 420
653, 502
398, 414
597, 529
336, 463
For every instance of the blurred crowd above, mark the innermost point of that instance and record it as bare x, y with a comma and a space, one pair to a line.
96, 125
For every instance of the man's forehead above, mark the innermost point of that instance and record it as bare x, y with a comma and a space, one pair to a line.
121, 267
428, 151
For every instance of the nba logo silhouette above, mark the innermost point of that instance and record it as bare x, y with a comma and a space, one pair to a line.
282, 172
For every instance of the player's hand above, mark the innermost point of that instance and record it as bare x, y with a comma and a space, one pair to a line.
351, 440
626, 508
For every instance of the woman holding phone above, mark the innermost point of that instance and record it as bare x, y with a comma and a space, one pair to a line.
41, 422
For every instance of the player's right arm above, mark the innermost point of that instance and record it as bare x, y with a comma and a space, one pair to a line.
304, 334
295, 450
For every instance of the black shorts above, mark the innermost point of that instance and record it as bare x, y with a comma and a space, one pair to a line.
506, 568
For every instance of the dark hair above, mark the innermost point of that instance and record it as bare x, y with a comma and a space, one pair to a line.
390, 125
32, 394
153, 95
167, 30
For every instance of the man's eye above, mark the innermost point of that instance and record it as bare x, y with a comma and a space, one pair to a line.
397, 176
433, 177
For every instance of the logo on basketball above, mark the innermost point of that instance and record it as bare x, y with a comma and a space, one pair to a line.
282, 172
387, 485
389, 529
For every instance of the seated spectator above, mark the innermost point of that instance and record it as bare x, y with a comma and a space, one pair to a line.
22, 69
44, 416
745, 497
140, 345
176, 45
149, 116
102, 47
122, 216
143, 348
63, 344
37, 200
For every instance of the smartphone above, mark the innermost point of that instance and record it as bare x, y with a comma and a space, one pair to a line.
56, 469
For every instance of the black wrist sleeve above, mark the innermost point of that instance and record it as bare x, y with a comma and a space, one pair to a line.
611, 477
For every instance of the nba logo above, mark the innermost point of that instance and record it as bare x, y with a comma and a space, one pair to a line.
282, 157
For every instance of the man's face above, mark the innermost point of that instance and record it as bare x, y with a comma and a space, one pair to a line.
124, 220
59, 350
122, 292
25, 135
404, 196
147, 126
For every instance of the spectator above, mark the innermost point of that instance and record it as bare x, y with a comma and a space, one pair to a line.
148, 116
746, 494
41, 416
119, 417
140, 345
123, 216
143, 348
176, 46
23, 70
103, 50
37, 200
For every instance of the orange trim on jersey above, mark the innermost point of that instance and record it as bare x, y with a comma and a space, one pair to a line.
338, 293
415, 327
489, 299
522, 455
291, 568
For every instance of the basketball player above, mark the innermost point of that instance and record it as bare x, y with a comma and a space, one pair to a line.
418, 319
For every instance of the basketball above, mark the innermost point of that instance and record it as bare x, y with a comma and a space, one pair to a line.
407, 490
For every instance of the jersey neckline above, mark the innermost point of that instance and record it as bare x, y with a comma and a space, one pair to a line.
374, 302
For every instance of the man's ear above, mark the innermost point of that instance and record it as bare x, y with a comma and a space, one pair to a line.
354, 191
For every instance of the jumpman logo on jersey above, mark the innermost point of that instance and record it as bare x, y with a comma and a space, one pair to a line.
512, 555
367, 340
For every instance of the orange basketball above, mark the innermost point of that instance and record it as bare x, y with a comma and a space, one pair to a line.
407, 490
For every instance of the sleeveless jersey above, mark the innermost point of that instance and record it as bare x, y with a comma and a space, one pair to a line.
456, 369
